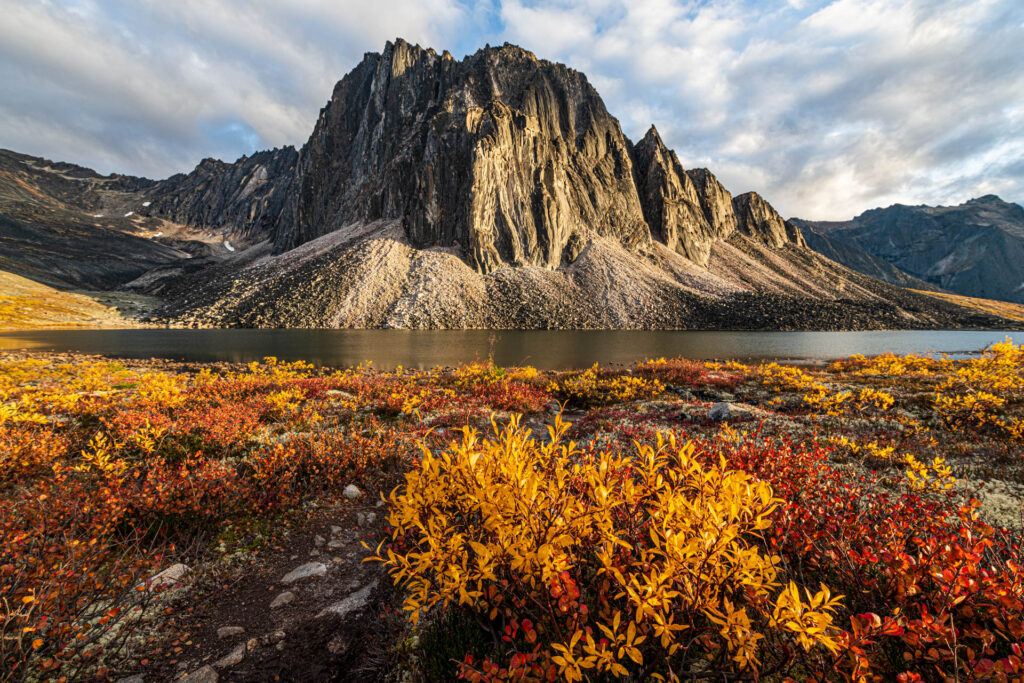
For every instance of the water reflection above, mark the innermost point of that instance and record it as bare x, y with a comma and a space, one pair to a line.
542, 348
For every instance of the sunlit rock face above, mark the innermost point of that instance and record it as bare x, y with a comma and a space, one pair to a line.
512, 159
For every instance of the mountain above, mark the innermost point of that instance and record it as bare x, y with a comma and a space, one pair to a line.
493, 191
974, 249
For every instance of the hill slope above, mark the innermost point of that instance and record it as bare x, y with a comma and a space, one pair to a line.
974, 249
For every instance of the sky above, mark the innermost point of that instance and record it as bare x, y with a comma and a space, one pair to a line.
825, 107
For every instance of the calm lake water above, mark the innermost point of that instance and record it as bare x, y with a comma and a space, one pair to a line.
543, 349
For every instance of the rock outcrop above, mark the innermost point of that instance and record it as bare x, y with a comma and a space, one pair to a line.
670, 202
716, 202
510, 159
756, 218
244, 200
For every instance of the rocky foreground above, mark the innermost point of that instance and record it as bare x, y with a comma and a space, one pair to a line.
216, 522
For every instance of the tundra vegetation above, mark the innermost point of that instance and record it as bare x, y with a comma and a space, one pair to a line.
853, 521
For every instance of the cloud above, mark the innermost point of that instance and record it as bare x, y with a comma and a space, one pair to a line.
826, 107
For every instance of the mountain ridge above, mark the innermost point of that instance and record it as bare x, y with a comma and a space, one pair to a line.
974, 249
495, 191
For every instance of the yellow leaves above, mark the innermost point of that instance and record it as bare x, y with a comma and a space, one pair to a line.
811, 620
934, 476
591, 387
505, 522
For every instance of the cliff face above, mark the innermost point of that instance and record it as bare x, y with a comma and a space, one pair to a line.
244, 199
756, 217
507, 159
670, 201
974, 249
512, 159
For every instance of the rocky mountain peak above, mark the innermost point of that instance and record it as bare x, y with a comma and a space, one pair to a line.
670, 201
756, 218
510, 159
504, 158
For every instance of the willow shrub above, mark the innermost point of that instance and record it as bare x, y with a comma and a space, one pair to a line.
645, 564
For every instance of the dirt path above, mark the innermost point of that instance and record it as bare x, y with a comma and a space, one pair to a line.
310, 611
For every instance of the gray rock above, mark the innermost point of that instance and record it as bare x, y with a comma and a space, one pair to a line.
355, 601
169, 577
366, 518
351, 492
756, 218
207, 674
319, 540
305, 571
137, 678
282, 599
232, 658
720, 412
229, 631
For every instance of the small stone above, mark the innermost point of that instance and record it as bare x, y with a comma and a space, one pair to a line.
314, 552
719, 412
352, 603
232, 658
229, 631
306, 571
319, 540
335, 530
280, 646
277, 636
137, 678
366, 518
205, 675
251, 644
351, 492
170, 576
282, 600
336, 543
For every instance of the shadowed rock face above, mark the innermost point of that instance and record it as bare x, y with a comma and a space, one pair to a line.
975, 249
670, 202
512, 159
245, 199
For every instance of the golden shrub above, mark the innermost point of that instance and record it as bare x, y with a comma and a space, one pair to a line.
615, 561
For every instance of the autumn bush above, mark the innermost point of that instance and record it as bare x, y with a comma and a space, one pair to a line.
594, 386
647, 564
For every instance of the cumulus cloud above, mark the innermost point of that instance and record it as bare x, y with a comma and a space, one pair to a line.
826, 107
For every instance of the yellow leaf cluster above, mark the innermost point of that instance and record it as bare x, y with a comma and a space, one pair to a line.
656, 547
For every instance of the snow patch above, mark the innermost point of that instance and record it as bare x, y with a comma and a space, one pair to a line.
227, 245
130, 213
158, 234
146, 203
97, 215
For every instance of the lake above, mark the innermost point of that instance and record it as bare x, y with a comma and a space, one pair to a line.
543, 349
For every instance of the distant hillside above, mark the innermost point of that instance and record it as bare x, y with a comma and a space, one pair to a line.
975, 249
